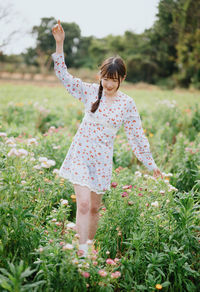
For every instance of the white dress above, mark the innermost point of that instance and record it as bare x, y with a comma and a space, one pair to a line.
89, 159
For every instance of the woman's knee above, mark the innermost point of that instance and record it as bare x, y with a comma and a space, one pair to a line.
84, 207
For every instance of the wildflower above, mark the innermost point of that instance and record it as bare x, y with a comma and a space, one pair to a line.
11, 142
138, 173
167, 201
42, 159
85, 274
140, 195
48, 163
32, 159
95, 263
104, 208
107, 252
130, 203
73, 197
116, 260
116, 274
114, 184
56, 171
32, 141
67, 246
2, 134
13, 152
142, 214
41, 249
23, 182
102, 273
124, 194
56, 147
110, 262
71, 225
155, 204
37, 166
158, 286
64, 202
162, 192
127, 187
75, 261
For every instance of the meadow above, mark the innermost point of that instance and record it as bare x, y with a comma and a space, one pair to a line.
148, 233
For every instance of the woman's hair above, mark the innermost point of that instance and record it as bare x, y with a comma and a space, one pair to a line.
112, 67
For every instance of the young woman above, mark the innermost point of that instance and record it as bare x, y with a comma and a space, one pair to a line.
88, 163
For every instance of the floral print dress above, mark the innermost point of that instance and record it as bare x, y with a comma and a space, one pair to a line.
89, 159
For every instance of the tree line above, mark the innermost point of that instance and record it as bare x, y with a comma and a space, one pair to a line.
168, 52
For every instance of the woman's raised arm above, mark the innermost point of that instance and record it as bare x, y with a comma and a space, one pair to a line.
75, 86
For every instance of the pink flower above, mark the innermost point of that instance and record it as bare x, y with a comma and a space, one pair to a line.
102, 273
85, 274
95, 263
104, 208
116, 260
124, 194
141, 195
110, 262
116, 274
114, 184
127, 187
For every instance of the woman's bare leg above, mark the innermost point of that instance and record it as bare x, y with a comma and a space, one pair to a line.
82, 211
95, 200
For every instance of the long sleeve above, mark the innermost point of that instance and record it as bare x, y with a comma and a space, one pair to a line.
75, 86
136, 137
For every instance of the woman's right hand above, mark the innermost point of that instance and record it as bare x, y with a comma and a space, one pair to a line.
58, 32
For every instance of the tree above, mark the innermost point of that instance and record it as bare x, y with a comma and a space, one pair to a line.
46, 44
7, 14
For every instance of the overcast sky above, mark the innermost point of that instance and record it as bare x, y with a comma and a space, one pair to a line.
97, 18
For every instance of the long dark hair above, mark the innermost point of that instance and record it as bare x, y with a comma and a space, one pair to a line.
113, 67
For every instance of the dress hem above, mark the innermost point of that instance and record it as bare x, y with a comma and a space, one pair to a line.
82, 184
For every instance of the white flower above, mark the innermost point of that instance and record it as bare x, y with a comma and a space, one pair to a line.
2, 134
11, 142
32, 159
71, 225
56, 171
56, 147
155, 204
68, 246
162, 192
48, 163
138, 173
167, 201
42, 159
64, 202
37, 166
32, 141
22, 152
51, 162
23, 182
13, 152
166, 181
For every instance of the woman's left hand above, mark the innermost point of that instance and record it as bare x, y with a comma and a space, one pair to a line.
157, 173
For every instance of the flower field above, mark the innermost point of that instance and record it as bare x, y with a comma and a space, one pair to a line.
148, 233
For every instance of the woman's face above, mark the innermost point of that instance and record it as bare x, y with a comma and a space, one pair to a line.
110, 86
